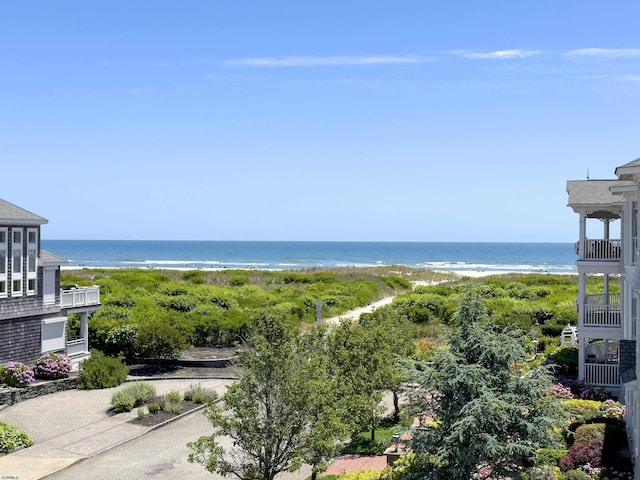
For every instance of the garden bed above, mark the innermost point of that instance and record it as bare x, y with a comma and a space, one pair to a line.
152, 420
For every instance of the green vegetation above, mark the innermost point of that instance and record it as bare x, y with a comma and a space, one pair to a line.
12, 438
489, 417
133, 395
101, 371
155, 313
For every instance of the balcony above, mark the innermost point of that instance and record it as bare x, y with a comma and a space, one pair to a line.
602, 374
76, 297
600, 250
602, 311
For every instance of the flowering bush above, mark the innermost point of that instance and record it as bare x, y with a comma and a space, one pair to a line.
560, 391
612, 409
50, 366
16, 374
584, 391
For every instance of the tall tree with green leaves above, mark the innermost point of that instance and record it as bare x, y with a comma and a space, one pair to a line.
282, 411
490, 419
393, 337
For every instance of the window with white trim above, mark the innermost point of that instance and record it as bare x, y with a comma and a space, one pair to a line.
16, 263
32, 260
3, 261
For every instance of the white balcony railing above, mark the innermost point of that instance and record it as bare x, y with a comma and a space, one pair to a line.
80, 296
602, 311
602, 374
74, 347
600, 250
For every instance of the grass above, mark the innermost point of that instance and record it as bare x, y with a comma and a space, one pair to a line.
362, 444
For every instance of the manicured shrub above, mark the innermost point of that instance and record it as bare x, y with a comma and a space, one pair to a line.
581, 411
587, 447
11, 438
550, 456
51, 366
101, 371
577, 475
16, 374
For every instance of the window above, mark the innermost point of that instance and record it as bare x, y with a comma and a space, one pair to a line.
32, 260
3, 262
16, 263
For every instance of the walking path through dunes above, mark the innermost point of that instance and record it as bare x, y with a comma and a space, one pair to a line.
355, 314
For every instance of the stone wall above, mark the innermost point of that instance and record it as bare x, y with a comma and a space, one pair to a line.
11, 395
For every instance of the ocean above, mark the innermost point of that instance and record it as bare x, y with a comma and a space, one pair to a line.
456, 256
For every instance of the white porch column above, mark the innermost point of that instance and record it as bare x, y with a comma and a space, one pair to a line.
581, 369
84, 329
582, 241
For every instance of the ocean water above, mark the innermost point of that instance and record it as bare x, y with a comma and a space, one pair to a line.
458, 256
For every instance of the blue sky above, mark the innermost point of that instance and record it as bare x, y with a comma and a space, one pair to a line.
335, 120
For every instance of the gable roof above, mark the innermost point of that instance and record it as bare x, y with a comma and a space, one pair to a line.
11, 214
626, 171
51, 259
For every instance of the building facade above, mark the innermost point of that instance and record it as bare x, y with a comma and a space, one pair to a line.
34, 309
609, 289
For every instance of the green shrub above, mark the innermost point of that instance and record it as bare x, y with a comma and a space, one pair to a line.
172, 402
123, 401
196, 277
12, 438
550, 456
121, 341
173, 397
198, 394
154, 407
159, 341
139, 391
101, 371
580, 411
238, 280
577, 475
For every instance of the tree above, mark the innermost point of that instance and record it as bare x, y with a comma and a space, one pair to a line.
490, 420
358, 364
281, 412
393, 336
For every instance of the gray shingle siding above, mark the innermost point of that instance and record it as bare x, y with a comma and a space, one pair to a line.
21, 339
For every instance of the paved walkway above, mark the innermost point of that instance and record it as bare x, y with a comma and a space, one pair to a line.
72, 425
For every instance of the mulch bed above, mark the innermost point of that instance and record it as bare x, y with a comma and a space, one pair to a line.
162, 416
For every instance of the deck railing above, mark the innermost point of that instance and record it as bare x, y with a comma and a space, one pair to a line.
76, 346
80, 296
602, 311
601, 250
602, 374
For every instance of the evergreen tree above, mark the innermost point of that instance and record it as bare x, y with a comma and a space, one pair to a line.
490, 419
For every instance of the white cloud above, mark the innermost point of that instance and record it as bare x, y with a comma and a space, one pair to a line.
497, 54
605, 52
312, 61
